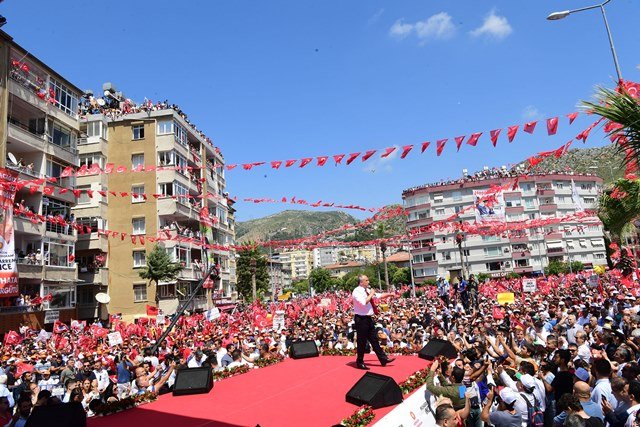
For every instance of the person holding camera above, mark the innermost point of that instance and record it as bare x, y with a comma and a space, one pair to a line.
505, 415
451, 389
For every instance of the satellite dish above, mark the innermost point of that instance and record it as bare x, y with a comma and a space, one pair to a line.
101, 102
12, 158
103, 298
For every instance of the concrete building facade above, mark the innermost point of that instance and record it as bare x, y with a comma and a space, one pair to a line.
435, 252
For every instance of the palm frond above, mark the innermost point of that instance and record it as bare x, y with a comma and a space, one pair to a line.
619, 207
624, 109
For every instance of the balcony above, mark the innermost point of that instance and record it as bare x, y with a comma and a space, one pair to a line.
12, 318
62, 274
94, 144
171, 207
523, 269
92, 242
545, 192
190, 273
519, 239
24, 225
97, 277
556, 252
27, 270
548, 208
424, 264
59, 231
420, 222
556, 235
521, 254
514, 209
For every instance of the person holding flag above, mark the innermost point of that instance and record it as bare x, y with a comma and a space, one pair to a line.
364, 307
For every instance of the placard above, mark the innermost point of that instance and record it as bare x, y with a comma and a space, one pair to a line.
594, 280
50, 316
278, 320
160, 320
529, 285
325, 302
114, 339
506, 298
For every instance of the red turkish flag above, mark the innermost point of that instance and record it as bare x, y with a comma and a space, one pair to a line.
572, 117
473, 139
511, 132
352, 157
12, 338
305, 161
459, 140
247, 166
494, 136
425, 145
231, 167
276, 164
440, 146
48, 191
368, 154
338, 158
552, 126
289, 163
152, 310
530, 127
387, 152
322, 160
405, 150
68, 171
108, 168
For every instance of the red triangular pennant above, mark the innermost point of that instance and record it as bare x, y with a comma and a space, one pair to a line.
425, 145
511, 132
387, 152
352, 157
276, 164
572, 117
473, 139
459, 140
368, 154
289, 163
440, 146
305, 161
494, 136
322, 160
338, 158
530, 126
405, 150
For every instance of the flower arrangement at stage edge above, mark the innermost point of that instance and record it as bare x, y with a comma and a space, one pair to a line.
360, 418
261, 363
403, 351
226, 373
125, 403
338, 352
414, 381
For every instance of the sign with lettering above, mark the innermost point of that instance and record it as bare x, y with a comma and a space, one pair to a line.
529, 285
114, 339
50, 316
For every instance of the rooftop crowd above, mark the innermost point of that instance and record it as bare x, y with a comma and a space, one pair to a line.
570, 350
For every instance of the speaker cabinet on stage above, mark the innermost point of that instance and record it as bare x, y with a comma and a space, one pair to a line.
193, 381
436, 347
375, 390
303, 349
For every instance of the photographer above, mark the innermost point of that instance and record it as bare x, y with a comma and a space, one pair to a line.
505, 415
455, 375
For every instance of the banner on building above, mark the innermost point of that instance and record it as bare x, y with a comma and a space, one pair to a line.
489, 205
9, 269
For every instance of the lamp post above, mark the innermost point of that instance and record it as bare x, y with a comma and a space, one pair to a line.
253, 265
563, 14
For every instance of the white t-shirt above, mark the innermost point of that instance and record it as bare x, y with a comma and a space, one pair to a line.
360, 305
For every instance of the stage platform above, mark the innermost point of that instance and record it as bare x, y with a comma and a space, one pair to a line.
306, 392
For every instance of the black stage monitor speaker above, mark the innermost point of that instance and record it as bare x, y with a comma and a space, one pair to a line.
436, 347
193, 381
375, 390
303, 349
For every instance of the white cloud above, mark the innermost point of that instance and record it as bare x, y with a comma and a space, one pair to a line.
400, 30
439, 26
531, 112
494, 26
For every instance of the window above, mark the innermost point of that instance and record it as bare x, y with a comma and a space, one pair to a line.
456, 196
89, 160
446, 255
138, 131
589, 200
437, 198
493, 251
440, 211
532, 215
138, 226
84, 198
165, 158
583, 243
140, 292
180, 134
66, 100
597, 242
599, 256
466, 252
61, 136
513, 203
137, 161
139, 259
139, 190
165, 127
570, 244
493, 266
97, 129
458, 209
180, 189
181, 162
529, 203
167, 290
57, 253
93, 223
490, 238
585, 186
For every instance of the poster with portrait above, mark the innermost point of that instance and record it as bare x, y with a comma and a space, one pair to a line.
489, 205
9, 271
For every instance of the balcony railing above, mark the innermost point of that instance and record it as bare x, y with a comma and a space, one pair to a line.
59, 228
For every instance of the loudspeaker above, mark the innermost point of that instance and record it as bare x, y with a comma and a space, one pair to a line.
303, 349
375, 390
193, 381
436, 347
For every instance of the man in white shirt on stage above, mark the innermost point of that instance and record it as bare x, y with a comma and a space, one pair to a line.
364, 323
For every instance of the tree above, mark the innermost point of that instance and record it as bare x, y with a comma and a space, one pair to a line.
619, 207
401, 276
321, 280
159, 268
559, 267
251, 259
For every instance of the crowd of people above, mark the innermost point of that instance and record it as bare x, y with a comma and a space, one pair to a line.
565, 355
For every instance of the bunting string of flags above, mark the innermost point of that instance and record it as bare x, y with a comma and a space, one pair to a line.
294, 200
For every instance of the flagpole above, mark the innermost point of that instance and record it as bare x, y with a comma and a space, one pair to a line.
212, 271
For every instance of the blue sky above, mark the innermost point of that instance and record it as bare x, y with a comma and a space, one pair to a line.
278, 80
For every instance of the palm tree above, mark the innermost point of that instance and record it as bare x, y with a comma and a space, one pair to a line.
621, 107
159, 268
619, 207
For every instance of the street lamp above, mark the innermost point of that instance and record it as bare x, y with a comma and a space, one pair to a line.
555, 16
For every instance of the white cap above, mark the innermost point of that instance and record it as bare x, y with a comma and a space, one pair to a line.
528, 381
508, 396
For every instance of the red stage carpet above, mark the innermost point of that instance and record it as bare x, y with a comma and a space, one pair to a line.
306, 392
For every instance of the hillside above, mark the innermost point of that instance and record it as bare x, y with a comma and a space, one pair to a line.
290, 224
293, 224
604, 162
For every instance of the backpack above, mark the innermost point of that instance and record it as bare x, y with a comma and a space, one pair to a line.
535, 416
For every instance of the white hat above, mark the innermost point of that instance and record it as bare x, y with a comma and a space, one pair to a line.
508, 396
528, 381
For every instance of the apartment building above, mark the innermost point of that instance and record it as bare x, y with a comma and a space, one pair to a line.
162, 202
435, 253
40, 132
